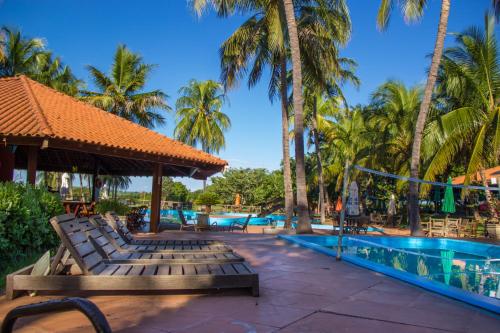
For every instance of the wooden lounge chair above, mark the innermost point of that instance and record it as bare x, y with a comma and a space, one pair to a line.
452, 227
241, 227
108, 251
98, 274
114, 222
158, 246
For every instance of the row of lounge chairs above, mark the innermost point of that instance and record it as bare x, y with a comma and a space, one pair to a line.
100, 254
234, 226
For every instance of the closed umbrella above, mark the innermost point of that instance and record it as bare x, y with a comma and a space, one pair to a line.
353, 201
447, 264
449, 199
338, 205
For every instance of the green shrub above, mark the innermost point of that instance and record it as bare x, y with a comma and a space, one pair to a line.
207, 198
104, 206
24, 221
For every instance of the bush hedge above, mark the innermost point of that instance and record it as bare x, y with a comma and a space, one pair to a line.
24, 221
104, 206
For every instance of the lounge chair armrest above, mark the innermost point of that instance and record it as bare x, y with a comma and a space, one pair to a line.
89, 309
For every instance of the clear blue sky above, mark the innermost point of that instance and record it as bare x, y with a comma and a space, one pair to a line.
167, 33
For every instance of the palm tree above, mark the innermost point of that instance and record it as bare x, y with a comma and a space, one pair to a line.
304, 223
27, 56
122, 93
413, 9
199, 117
393, 113
19, 55
469, 84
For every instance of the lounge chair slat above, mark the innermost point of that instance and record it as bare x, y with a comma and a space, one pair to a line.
229, 269
240, 268
163, 270
109, 270
189, 270
136, 270
85, 249
202, 269
92, 260
149, 270
156, 256
123, 270
176, 269
215, 269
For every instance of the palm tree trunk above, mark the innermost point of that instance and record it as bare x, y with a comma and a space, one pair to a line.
422, 116
321, 182
287, 171
489, 198
304, 224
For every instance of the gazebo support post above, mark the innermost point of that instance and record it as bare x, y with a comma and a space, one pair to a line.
154, 220
32, 162
7, 161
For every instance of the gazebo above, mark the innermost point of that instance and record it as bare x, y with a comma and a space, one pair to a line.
43, 129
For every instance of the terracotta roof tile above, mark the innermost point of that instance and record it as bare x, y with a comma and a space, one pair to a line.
28, 108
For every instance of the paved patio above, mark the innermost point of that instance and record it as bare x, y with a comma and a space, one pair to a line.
301, 291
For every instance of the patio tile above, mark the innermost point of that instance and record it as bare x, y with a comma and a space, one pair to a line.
327, 323
400, 314
269, 315
227, 325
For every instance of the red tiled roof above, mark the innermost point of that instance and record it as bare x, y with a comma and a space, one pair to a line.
489, 173
30, 109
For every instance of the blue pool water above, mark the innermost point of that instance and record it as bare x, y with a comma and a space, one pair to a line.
273, 219
468, 271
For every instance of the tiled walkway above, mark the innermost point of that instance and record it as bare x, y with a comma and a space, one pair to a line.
301, 291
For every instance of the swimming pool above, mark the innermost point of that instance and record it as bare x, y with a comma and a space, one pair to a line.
464, 270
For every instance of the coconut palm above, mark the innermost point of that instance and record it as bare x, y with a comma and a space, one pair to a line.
122, 92
393, 113
262, 41
199, 118
413, 10
53, 73
19, 55
469, 83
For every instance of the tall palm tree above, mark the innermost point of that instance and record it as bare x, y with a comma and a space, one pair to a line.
469, 81
263, 41
53, 73
122, 93
304, 223
199, 116
413, 9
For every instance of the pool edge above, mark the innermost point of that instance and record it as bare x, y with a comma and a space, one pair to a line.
439, 288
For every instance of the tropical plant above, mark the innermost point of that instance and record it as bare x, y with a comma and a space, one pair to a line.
469, 91
104, 206
174, 191
412, 10
19, 55
262, 41
115, 183
28, 56
256, 187
122, 92
391, 118
199, 119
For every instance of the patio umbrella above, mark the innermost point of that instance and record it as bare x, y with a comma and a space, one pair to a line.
391, 209
449, 199
338, 205
353, 201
